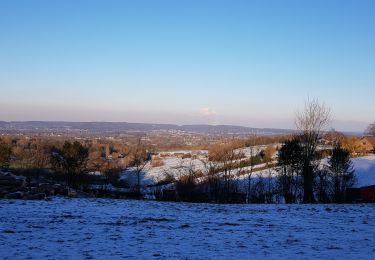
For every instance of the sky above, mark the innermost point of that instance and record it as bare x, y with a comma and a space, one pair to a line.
251, 63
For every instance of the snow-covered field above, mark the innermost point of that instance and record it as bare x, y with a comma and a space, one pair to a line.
177, 166
172, 165
365, 170
116, 229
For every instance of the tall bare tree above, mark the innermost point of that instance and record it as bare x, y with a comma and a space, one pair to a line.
311, 122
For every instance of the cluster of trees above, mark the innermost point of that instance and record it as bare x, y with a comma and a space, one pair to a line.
71, 161
326, 184
354, 146
299, 175
226, 175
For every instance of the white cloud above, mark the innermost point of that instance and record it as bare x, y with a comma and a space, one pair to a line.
206, 111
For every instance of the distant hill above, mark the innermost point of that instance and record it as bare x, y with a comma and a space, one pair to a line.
231, 129
123, 127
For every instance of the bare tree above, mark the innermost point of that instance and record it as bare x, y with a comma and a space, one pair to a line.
186, 184
334, 137
139, 159
227, 160
41, 156
371, 129
5, 153
250, 145
222, 171
71, 159
212, 179
311, 122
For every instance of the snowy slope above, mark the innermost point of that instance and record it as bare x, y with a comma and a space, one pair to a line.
118, 229
172, 165
365, 170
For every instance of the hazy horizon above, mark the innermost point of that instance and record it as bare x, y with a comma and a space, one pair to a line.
336, 125
248, 63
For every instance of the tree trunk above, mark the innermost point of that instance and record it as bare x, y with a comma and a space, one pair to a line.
308, 194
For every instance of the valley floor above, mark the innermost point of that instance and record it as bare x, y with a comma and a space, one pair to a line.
116, 229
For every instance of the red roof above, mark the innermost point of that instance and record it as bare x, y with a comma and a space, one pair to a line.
368, 193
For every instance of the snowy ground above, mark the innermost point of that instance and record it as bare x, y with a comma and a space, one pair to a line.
173, 166
114, 229
365, 170
176, 166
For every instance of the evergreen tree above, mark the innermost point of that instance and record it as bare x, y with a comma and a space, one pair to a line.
340, 168
290, 164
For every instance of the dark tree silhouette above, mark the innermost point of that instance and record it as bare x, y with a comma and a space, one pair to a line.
289, 168
72, 160
342, 174
311, 122
5, 153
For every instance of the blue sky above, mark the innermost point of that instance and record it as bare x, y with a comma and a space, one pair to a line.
250, 63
